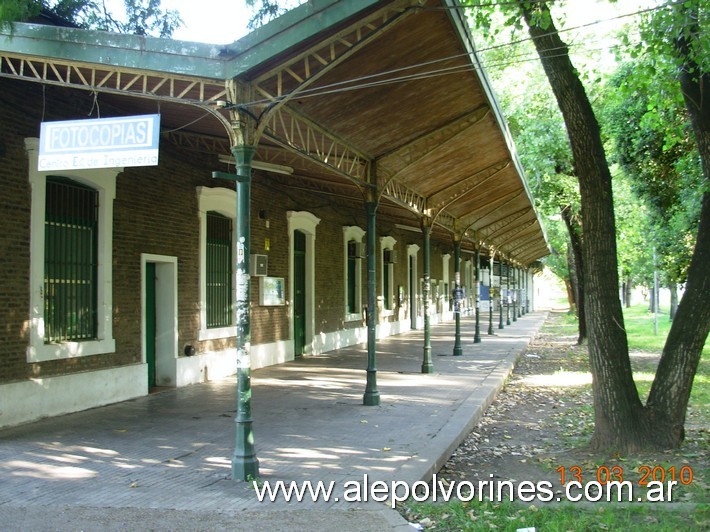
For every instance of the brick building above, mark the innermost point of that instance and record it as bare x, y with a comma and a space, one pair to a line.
361, 115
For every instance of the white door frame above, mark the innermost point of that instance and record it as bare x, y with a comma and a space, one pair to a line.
166, 325
306, 222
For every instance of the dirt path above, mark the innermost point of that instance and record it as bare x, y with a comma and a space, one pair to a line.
537, 427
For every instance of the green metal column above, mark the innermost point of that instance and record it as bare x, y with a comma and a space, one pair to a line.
427, 364
515, 294
507, 296
477, 333
490, 297
520, 293
500, 297
245, 465
458, 351
372, 395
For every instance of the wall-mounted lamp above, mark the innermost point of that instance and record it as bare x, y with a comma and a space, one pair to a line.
189, 351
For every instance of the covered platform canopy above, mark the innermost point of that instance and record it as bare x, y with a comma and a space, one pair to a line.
380, 101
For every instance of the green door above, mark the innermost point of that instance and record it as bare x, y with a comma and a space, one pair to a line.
150, 322
412, 294
299, 292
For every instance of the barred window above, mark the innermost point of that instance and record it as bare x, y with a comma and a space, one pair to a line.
70, 261
353, 260
219, 270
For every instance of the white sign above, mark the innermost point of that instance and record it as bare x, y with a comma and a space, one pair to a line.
99, 143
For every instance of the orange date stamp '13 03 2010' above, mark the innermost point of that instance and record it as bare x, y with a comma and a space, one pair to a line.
659, 481
605, 474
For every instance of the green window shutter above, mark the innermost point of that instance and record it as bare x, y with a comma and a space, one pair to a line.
219, 270
70, 261
386, 291
352, 270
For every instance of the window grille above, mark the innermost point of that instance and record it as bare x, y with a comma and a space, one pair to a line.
219, 270
70, 261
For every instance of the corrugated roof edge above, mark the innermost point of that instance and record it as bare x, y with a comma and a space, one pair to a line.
287, 30
467, 38
181, 57
106, 48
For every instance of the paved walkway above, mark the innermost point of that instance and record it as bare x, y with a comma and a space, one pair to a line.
162, 462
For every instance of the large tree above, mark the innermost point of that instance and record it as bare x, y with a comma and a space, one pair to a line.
537, 126
668, 399
622, 422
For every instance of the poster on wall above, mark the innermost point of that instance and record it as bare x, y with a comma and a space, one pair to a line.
99, 143
272, 291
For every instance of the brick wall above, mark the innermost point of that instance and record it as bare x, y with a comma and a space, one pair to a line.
14, 236
156, 212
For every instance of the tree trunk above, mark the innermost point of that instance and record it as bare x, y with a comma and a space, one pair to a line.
670, 391
576, 244
628, 288
570, 296
673, 287
618, 413
573, 283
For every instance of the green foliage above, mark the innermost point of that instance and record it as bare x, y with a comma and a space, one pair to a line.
534, 120
143, 17
650, 137
17, 10
264, 11
634, 247
661, 30
507, 516
267, 10
642, 113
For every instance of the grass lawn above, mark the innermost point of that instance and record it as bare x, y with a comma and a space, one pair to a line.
691, 512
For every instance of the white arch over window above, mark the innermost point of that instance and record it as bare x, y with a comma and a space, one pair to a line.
224, 201
355, 234
387, 244
305, 222
413, 283
103, 180
445, 284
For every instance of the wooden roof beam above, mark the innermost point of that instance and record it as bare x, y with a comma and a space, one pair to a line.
505, 221
470, 220
453, 193
407, 155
